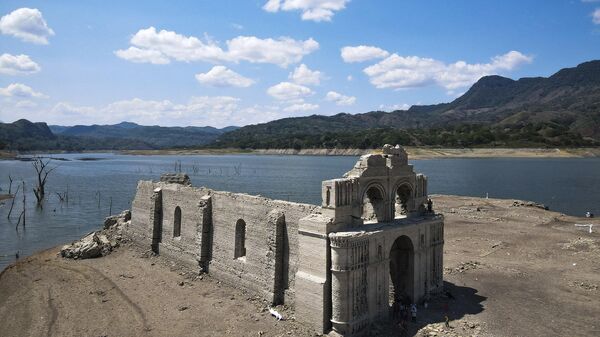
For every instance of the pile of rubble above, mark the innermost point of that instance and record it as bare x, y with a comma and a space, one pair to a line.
462, 267
99, 243
456, 329
519, 203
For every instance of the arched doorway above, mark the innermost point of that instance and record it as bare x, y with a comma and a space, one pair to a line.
402, 271
403, 196
373, 205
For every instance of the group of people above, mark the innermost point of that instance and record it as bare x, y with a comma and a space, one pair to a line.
404, 313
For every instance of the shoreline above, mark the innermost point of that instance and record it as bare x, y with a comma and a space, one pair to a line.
413, 152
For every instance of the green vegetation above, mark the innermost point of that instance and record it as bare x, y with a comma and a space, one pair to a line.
465, 135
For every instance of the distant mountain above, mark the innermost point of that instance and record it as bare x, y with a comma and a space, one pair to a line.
546, 111
154, 136
24, 135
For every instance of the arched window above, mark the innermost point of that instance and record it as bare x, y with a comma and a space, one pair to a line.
328, 196
177, 223
403, 196
240, 239
373, 205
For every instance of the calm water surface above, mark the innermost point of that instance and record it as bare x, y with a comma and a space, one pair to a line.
571, 186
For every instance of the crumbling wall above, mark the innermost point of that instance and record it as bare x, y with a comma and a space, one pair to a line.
183, 247
257, 269
140, 229
208, 234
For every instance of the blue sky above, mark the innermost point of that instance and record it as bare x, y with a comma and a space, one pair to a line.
242, 62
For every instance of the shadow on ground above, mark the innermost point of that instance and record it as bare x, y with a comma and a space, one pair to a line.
455, 302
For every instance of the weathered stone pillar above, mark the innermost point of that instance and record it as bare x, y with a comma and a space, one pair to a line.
275, 254
340, 297
204, 232
313, 279
156, 218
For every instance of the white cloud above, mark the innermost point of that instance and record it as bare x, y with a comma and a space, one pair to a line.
137, 55
221, 76
596, 16
349, 78
205, 110
237, 26
26, 104
303, 75
301, 107
314, 10
28, 24
399, 72
160, 47
287, 91
19, 90
17, 65
282, 52
340, 99
394, 107
362, 53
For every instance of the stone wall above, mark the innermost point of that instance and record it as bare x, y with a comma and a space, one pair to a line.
207, 237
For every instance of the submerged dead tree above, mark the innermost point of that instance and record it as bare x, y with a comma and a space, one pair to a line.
41, 168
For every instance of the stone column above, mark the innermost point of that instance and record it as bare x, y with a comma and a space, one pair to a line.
341, 314
313, 278
204, 232
156, 218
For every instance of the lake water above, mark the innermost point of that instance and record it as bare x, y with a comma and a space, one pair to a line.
571, 186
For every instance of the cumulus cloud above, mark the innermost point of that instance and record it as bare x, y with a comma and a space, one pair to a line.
303, 75
27, 24
301, 107
362, 53
596, 16
313, 10
394, 107
161, 47
340, 99
17, 65
19, 90
204, 110
287, 91
221, 76
400, 72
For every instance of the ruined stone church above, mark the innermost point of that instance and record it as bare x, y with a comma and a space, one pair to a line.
374, 240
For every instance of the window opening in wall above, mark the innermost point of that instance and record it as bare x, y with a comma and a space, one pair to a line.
177, 223
373, 205
403, 195
240, 239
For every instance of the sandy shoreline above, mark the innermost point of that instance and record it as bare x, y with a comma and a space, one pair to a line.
513, 270
413, 152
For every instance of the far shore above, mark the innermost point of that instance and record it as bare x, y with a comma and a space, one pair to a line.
413, 152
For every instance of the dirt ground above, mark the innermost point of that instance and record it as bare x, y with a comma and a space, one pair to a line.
510, 270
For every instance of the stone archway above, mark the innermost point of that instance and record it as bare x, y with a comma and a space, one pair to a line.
402, 271
373, 205
403, 196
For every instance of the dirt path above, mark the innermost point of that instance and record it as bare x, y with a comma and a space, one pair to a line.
511, 271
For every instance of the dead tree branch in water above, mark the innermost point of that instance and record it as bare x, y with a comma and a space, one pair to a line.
12, 204
42, 170
24, 208
10, 179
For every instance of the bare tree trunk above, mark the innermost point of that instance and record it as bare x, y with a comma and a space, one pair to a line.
12, 204
42, 170
24, 203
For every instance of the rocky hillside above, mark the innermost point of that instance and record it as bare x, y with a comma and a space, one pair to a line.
563, 109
